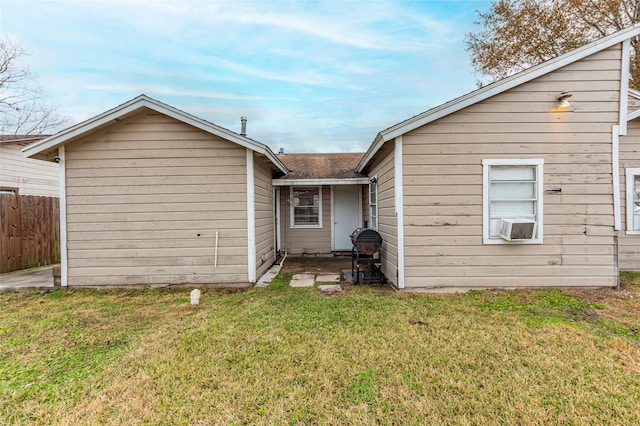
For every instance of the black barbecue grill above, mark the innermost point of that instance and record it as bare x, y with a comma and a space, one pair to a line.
365, 256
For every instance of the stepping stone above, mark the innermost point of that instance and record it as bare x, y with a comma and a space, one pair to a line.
303, 280
330, 289
328, 278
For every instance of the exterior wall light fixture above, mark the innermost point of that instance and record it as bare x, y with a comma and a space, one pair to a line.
563, 99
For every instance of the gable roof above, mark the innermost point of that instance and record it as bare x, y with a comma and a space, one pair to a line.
116, 114
333, 168
494, 89
21, 139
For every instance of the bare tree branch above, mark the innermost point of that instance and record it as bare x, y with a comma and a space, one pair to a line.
24, 109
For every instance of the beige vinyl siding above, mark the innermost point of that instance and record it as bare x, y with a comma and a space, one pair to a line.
305, 240
264, 217
628, 245
383, 168
443, 184
29, 176
145, 199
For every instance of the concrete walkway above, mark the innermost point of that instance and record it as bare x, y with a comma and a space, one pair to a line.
306, 271
308, 279
303, 279
32, 279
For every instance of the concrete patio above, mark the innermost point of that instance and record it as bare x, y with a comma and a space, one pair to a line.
31, 279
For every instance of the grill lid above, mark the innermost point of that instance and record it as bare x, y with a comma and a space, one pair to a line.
366, 240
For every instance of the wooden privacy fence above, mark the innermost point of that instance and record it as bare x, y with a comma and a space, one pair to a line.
30, 228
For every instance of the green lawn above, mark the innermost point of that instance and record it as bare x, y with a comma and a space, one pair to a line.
285, 355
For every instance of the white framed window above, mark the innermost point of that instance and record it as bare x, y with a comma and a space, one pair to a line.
8, 191
633, 201
306, 207
373, 203
512, 193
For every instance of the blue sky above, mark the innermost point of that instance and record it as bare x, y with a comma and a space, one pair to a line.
311, 76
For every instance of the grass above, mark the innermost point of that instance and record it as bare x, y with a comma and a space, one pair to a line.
285, 355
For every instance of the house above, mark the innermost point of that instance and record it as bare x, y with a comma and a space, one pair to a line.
155, 196
511, 186
319, 202
25, 176
628, 150
532, 181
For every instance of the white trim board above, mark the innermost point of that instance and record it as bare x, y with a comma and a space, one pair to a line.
624, 86
321, 181
333, 220
251, 219
615, 175
64, 262
399, 202
369, 204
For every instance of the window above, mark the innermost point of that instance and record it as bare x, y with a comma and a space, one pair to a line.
633, 201
306, 207
8, 191
373, 203
512, 198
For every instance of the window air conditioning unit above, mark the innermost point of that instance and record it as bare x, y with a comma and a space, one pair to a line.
517, 229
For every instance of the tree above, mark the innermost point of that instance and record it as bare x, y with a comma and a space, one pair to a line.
24, 109
517, 34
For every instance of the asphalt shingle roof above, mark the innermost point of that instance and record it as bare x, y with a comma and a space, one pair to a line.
321, 166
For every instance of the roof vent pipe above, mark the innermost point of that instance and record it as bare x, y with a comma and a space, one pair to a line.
243, 127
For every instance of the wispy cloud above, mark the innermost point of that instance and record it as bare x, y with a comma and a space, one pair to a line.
164, 90
377, 25
308, 76
332, 28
